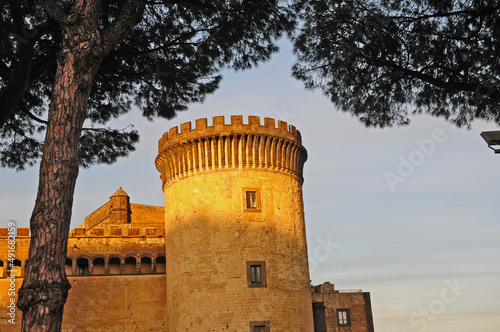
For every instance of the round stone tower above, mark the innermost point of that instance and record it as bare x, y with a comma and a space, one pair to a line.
235, 232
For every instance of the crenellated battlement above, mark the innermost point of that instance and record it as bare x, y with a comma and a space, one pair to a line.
15, 232
236, 126
230, 146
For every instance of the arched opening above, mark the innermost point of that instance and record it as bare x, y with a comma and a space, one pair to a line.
130, 265
160, 264
68, 266
98, 264
115, 266
146, 265
83, 266
16, 269
1, 269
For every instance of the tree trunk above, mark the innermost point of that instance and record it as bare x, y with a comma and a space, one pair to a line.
45, 286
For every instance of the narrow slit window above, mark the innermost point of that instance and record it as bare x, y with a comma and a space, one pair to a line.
251, 199
255, 274
262, 326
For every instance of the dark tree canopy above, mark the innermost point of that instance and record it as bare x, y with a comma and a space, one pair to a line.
383, 60
170, 59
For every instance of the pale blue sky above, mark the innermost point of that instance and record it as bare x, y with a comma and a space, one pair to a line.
426, 247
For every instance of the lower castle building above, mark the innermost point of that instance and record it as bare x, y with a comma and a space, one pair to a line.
227, 253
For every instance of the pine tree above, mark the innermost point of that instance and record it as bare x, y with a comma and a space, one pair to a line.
70, 62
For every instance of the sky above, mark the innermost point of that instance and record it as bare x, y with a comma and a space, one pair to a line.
409, 214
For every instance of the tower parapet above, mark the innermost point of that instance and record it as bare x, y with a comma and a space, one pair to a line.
230, 146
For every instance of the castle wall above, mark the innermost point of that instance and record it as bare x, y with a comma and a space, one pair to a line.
115, 246
92, 247
98, 216
104, 303
146, 214
120, 213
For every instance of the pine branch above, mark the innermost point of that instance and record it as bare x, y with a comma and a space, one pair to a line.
54, 10
129, 16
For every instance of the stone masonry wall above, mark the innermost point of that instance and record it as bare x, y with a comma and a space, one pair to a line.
209, 239
104, 303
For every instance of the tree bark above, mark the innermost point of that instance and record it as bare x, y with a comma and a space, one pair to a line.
45, 286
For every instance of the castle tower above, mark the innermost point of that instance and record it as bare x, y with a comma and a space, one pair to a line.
236, 253
120, 207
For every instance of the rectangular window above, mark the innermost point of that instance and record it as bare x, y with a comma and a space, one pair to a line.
256, 274
252, 200
343, 317
260, 326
